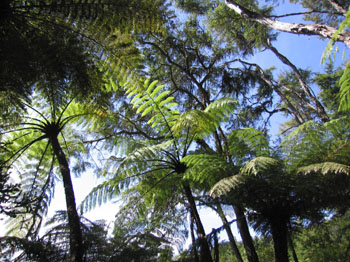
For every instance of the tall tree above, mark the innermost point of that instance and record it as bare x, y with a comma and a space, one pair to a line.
36, 147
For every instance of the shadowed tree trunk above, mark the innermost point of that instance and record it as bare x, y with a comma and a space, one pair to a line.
205, 255
76, 249
194, 246
245, 234
291, 246
279, 233
229, 233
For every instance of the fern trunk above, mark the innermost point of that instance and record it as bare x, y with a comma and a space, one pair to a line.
291, 246
245, 234
205, 255
194, 246
229, 233
279, 232
75, 239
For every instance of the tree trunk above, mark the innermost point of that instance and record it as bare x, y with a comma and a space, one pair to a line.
76, 249
205, 255
229, 233
194, 246
245, 234
279, 233
291, 246
322, 30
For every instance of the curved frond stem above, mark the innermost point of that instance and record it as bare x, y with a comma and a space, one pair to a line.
154, 160
37, 111
33, 118
20, 129
137, 128
160, 167
169, 154
19, 152
64, 110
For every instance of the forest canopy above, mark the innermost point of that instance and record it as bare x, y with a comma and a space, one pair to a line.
175, 107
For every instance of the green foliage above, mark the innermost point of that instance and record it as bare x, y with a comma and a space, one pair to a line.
236, 31
343, 27
29, 154
202, 123
329, 85
206, 168
150, 99
344, 92
259, 167
53, 245
224, 186
246, 143
326, 168
326, 242
313, 143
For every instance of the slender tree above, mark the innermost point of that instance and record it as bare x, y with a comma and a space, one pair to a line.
39, 139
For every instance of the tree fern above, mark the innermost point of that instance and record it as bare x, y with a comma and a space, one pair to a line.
243, 144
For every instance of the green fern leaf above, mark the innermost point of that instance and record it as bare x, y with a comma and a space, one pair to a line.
260, 165
224, 186
345, 90
326, 168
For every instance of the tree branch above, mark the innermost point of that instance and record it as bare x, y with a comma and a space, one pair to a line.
322, 30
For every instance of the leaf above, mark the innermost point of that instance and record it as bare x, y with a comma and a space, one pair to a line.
224, 186
197, 122
260, 164
325, 168
344, 91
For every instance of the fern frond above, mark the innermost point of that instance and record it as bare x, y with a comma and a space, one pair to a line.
224, 186
248, 141
202, 123
196, 122
205, 168
259, 165
326, 168
152, 100
344, 91
98, 195
222, 108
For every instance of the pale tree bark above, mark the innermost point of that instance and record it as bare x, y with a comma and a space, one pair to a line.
322, 30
